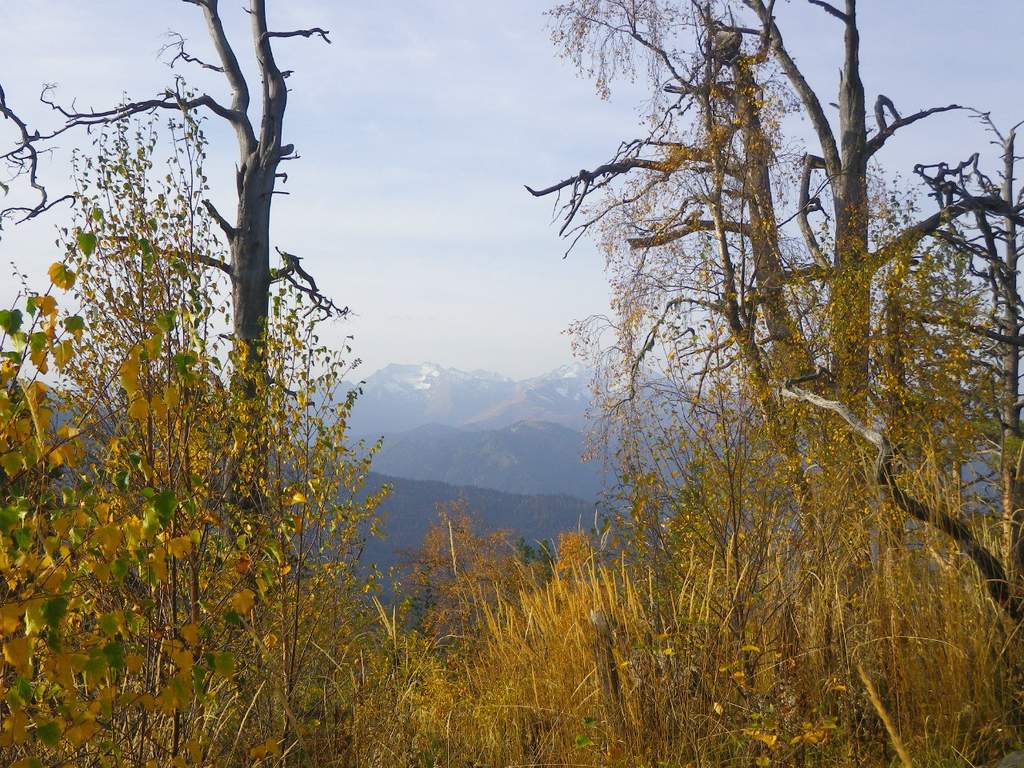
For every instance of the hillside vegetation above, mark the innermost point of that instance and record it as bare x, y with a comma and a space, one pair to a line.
810, 551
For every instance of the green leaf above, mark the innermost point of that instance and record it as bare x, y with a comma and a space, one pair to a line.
165, 320
49, 733
87, 242
37, 341
582, 740
120, 567
150, 523
23, 538
182, 362
114, 654
74, 323
20, 693
34, 620
108, 623
165, 503
54, 610
10, 320
97, 214
9, 517
222, 663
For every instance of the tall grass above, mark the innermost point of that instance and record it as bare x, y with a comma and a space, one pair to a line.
597, 664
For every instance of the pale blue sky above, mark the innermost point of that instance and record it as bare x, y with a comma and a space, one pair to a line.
420, 124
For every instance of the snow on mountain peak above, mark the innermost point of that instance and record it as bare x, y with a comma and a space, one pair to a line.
397, 377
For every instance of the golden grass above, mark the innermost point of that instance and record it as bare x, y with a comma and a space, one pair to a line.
698, 679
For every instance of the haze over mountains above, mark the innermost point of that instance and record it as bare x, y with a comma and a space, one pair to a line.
531, 457
511, 449
398, 398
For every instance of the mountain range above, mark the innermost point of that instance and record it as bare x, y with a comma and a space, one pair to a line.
412, 507
531, 457
398, 398
512, 449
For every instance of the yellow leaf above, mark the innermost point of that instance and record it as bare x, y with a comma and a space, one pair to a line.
129, 372
10, 618
195, 750
61, 276
47, 305
139, 409
38, 357
109, 537
190, 633
154, 344
243, 601
172, 396
298, 498
158, 563
15, 726
80, 733
62, 353
12, 462
181, 656
103, 512
18, 653
179, 546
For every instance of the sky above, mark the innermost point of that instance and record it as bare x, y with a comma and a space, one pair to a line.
421, 122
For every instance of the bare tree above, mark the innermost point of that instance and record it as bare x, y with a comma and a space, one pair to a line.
261, 150
992, 241
702, 212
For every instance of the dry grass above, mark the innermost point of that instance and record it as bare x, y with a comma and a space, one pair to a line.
685, 683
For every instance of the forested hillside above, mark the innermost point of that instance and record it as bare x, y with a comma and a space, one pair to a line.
527, 457
413, 506
797, 369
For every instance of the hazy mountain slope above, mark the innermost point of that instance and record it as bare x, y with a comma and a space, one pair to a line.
560, 397
398, 398
529, 457
411, 509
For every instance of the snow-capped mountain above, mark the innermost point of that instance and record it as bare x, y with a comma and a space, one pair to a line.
398, 398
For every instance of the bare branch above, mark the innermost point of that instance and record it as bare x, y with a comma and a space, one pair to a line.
690, 227
808, 204
323, 33
887, 129
178, 41
812, 104
24, 159
934, 223
25, 154
304, 282
233, 73
991, 569
223, 223
831, 10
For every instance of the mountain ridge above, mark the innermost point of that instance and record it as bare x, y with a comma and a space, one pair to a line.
400, 397
530, 457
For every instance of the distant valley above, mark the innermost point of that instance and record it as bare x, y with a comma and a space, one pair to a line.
412, 507
511, 449
526, 457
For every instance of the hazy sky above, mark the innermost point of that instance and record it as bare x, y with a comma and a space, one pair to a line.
420, 124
